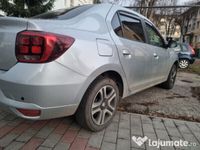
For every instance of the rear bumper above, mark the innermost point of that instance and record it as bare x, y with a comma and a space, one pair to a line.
11, 106
50, 88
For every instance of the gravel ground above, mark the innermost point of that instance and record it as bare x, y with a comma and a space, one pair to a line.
182, 102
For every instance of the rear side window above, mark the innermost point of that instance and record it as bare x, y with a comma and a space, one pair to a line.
64, 14
116, 25
132, 28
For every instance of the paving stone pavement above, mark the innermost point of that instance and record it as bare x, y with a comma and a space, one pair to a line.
65, 134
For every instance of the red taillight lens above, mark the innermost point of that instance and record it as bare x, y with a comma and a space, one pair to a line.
29, 112
41, 47
192, 49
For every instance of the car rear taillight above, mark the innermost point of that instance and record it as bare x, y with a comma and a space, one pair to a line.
41, 47
192, 49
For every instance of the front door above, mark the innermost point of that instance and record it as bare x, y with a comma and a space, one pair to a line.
161, 54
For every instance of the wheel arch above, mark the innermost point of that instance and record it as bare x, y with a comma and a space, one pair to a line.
115, 73
116, 77
187, 57
176, 63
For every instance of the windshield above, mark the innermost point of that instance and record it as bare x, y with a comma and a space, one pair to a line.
63, 14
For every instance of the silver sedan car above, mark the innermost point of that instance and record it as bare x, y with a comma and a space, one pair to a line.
80, 61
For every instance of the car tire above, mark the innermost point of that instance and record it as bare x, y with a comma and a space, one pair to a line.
184, 63
99, 104
169, 84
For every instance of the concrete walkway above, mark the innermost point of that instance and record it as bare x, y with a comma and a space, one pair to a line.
64, 133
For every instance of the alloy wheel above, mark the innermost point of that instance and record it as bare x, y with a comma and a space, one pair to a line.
104, 105
183, 64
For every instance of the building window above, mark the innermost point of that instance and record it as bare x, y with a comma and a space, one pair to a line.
198, 23
189, 27
198, 39
195, 39
193, 26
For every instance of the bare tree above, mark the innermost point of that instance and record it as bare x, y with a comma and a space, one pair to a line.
167, 17
118, 2
162, 16
148, 12
96, 1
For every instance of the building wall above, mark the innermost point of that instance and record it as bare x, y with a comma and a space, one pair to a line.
80, 2
193, 33
59, 4
1, 13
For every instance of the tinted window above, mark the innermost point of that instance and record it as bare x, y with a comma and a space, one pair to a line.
63, 14
132, 28
153, 36
116, 25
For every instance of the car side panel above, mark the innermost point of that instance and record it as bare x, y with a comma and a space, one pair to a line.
138, 65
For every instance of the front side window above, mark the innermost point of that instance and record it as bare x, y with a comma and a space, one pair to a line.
132, 28
153, 36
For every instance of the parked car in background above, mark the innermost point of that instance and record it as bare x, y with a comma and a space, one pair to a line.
186, 55
80, 61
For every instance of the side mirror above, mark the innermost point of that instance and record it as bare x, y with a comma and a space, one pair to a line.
171, 43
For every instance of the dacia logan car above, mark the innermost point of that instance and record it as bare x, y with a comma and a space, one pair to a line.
80, 61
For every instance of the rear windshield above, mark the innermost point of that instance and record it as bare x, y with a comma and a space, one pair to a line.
63, 14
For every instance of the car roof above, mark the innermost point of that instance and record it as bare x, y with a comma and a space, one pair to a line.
118, 7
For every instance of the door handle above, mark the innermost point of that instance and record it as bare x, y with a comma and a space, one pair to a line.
126, 52
155, 56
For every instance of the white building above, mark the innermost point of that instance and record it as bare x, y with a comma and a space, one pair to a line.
1, 13
59, 4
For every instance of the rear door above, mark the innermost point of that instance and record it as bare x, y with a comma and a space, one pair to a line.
134, 56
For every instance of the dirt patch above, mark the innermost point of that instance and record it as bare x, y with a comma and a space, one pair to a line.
196, 92
147, 103
182, 102
142, 107
187, 118
176, 96
133, 108
186, 81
